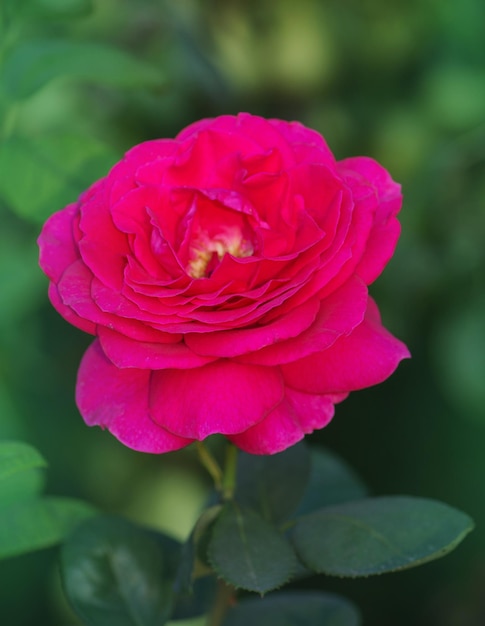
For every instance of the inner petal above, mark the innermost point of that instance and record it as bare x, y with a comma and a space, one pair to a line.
214, 231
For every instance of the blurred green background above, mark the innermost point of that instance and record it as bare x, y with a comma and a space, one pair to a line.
402, 81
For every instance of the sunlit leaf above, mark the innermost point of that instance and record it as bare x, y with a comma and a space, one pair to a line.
20, 475
57, 8
38, 523
40, 175
16, 456
32, 64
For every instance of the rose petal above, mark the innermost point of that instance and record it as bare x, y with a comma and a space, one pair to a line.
68, 314
117, 399
368, 356
56, 243
298, 415
231, 343
222, 397
171, 353
385, 232
102, 247
339, 314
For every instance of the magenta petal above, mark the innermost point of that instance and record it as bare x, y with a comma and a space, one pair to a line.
117, 399
235, 342
385, 232
68, 314
222, 397
298, 415
56, 243
368, 356
339, 314
126, 352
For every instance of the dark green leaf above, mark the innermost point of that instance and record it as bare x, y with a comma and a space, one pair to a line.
294, 608
41, 175
33, 64
116, 573
332, 481
38, 523
248, 552
378, 535
273, 485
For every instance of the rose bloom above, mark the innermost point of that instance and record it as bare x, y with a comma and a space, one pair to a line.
224, 274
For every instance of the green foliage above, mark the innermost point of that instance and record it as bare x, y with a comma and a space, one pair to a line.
248, 552
273, 485
37, 523
331, 481
56, 9
20, 477
30, 522
378, 535
401, 82
460, 357
33, 64
43, 174
16, 457
302, 608
118, 574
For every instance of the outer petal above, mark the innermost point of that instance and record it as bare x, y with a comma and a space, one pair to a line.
117, 399
68, 314
298, 415
369, 355
56, 243
339, 314
222, 397
386, 229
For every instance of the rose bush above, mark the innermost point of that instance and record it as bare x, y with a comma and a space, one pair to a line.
224, 274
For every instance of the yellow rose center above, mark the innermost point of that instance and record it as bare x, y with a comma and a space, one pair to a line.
206, 251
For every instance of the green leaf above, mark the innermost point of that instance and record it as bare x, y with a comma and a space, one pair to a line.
20, 477
33, 64
248, 552
273, 485
17, 457
56, 9
332, 481
294, 608
116, 573
38, 523
41, 175
22, 287
378, 535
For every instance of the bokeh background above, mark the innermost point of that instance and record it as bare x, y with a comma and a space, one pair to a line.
402, 81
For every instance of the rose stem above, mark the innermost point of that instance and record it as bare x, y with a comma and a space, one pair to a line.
223, 600
210, 464
229, 477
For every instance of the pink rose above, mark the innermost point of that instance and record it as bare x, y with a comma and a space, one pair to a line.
224, 274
